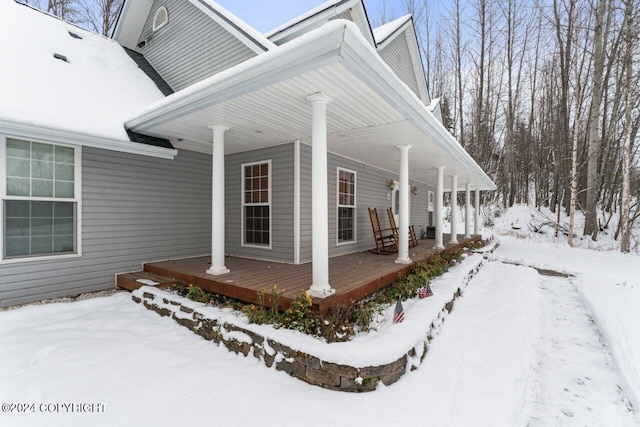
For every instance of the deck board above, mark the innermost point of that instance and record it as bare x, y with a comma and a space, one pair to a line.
353, 276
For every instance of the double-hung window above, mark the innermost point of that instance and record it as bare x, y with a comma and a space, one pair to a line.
346, 206
40, 195
256, 203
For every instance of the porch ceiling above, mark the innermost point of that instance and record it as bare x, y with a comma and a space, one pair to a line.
365, 121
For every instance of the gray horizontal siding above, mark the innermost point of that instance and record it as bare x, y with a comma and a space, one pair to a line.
281, 158
397, 55
191, 47
134, 209
371, 191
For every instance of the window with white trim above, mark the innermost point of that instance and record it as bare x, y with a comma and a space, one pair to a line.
161, 18
40, 199
346, 206
256, 203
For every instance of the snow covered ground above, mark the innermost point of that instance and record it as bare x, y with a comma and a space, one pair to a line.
518, 349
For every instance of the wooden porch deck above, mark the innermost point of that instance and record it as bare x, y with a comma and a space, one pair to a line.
353, 276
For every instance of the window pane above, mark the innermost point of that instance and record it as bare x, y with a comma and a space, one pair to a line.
64, 155
63, 244
63, 226
64, 172
64, 189
42, 227
41, 188
17, 209
18, 148
41, 209
18, 187
41, 245
41, 170
42, 152
63, 209
17, 227
18, 168
16, 246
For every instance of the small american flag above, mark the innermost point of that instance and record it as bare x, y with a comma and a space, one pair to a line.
398, 315
425, 292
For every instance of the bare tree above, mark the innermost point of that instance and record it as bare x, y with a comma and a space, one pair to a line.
100, 15
626, 149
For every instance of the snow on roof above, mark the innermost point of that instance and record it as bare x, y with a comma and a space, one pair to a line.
304, 16
91, 93
382, 32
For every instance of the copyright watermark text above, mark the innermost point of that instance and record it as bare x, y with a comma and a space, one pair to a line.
54, 408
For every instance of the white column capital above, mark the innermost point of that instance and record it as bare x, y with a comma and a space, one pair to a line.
222, 128
404, 146
319, 97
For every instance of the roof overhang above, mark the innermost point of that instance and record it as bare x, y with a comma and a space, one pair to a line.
263, 102
49, 134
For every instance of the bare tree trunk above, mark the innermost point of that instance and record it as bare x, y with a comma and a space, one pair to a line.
590, 223
625, 241
576, 128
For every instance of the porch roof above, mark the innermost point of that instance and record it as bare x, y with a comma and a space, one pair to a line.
263, 102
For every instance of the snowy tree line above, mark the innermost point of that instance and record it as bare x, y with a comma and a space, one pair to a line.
544, 95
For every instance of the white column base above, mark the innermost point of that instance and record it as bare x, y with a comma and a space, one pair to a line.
218, 271
321, 293
403, 261
439, 247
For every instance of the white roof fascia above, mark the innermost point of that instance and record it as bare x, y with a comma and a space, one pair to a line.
252, 38
337, 41
126, 19
373, 70
325, 12
25, 130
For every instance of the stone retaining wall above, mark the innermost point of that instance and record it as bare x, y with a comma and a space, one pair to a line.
298, 364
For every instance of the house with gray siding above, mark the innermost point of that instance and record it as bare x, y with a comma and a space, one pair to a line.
189, 133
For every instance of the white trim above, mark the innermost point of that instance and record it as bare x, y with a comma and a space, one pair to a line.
269, 204
156, 26
296, 202
60, 136
354, 206
77, 200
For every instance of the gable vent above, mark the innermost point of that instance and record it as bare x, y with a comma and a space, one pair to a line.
60, 57
75, 36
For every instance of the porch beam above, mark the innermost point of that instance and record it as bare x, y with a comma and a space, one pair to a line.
217, 202
439, 207
454, 210
403, 230
320, 286
476, 223
467, 211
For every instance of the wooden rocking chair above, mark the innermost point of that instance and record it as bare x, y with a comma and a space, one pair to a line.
413, 240
385, 239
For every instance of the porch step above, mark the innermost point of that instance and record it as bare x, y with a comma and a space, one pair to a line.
137, 279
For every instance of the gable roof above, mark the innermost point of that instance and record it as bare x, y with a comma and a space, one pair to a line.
133, 15
402, 30
82, 98
320, 15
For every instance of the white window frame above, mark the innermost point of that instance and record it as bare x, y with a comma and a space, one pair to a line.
243, 204
77, 199
155, 25
354, 206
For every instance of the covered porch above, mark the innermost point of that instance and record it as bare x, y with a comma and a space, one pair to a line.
353, 276
329, 91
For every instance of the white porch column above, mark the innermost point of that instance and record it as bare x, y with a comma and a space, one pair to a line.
320, 286
454, 210
403, 228
467, 212
439, 208
476, 223
217, 202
